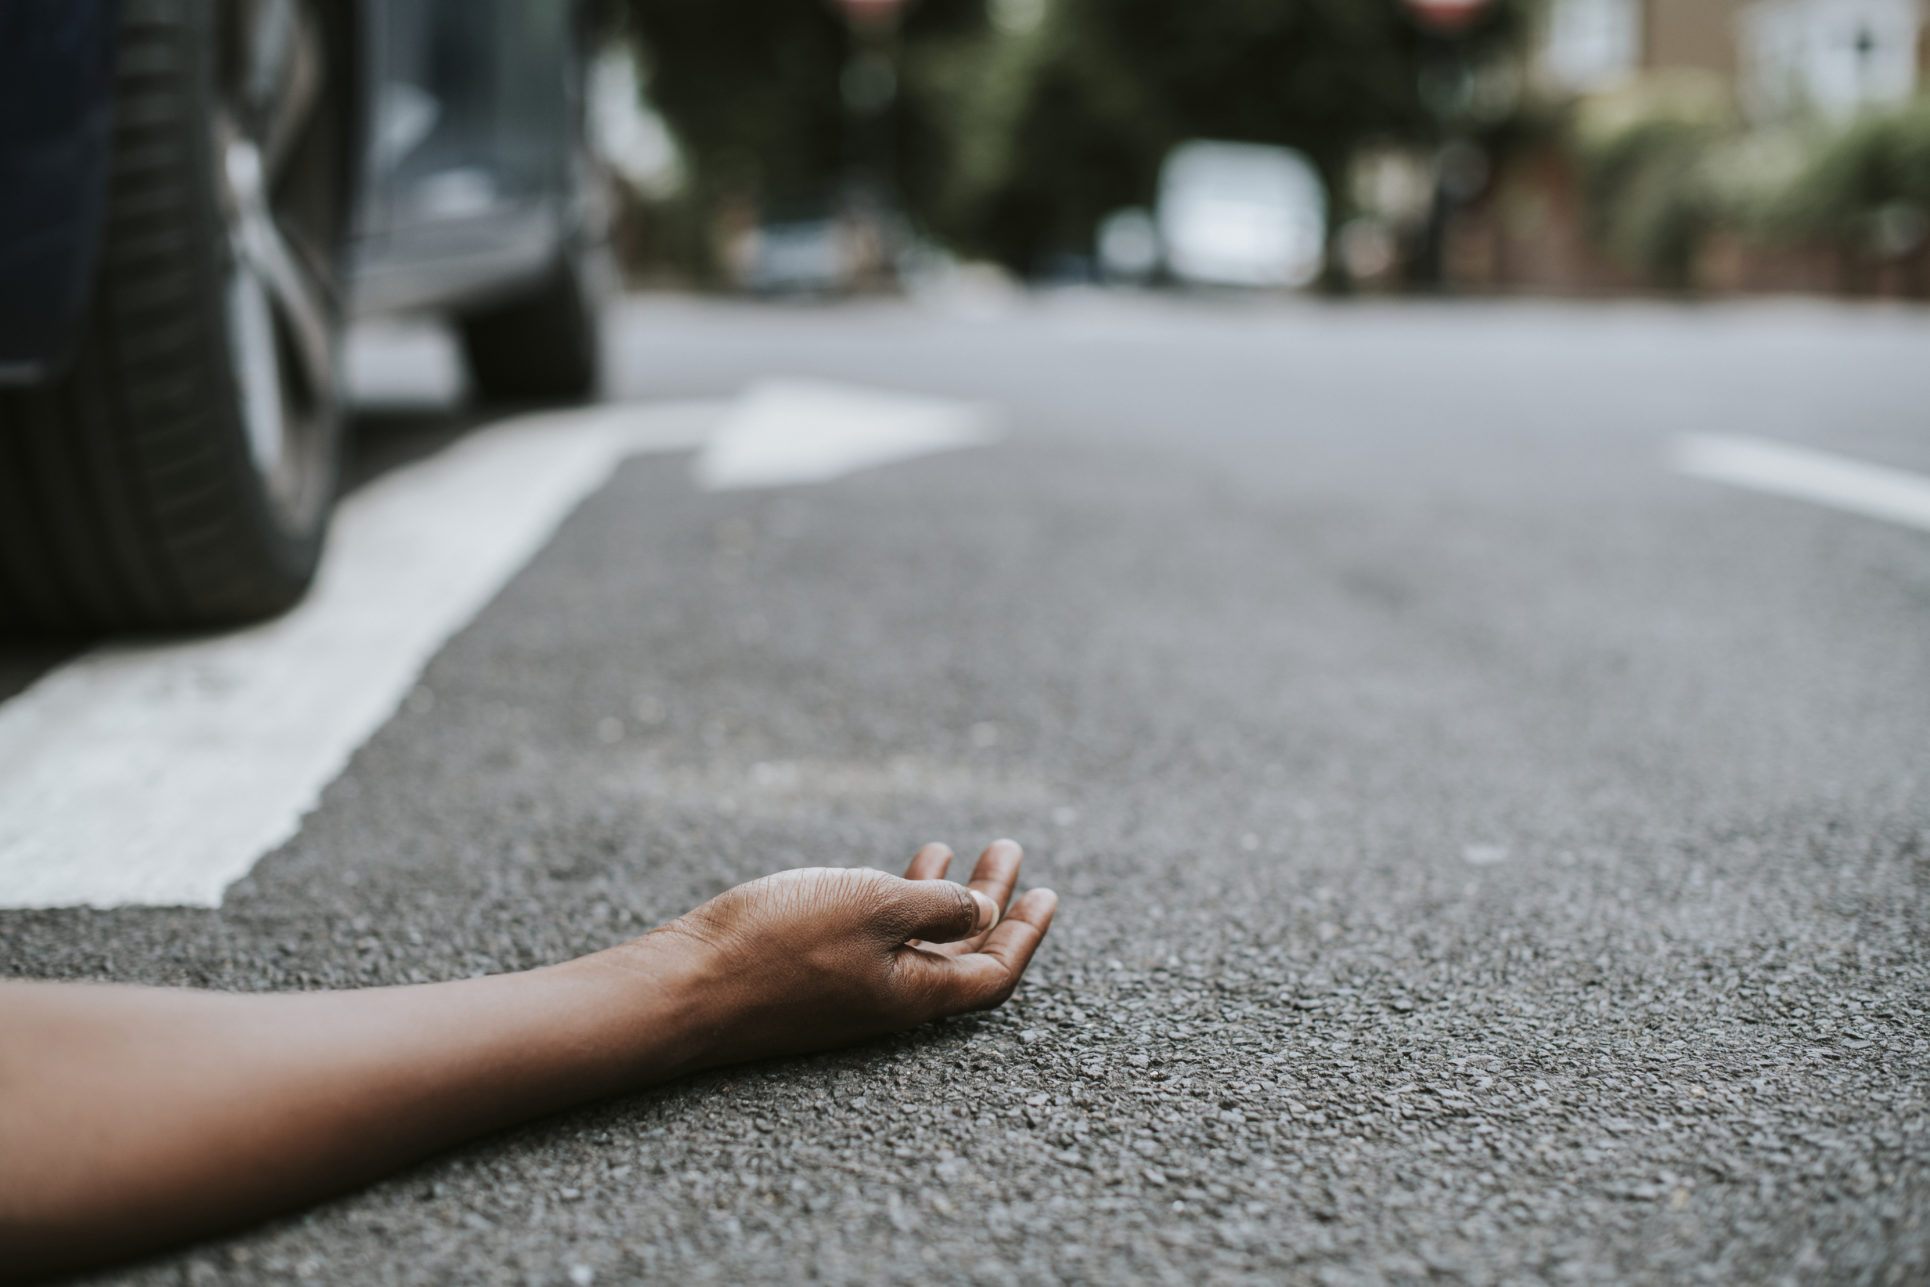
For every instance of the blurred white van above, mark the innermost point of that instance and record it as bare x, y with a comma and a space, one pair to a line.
1242, 214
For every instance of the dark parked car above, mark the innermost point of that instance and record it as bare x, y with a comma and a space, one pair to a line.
193, 195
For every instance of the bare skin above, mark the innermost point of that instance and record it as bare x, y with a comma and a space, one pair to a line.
132, 1118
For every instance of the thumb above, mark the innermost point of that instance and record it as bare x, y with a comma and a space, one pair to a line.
939, 911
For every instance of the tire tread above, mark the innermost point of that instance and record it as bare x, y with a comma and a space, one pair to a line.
122, 504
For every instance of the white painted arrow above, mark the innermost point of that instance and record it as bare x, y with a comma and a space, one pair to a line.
786, 432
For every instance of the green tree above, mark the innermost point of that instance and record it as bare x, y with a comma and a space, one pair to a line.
1015, 142
1113, 85
753, 90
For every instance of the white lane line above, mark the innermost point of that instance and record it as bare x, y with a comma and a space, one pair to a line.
158, 774
784, 432
1874, 491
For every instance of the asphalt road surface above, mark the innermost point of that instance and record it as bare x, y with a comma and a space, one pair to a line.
1487, 855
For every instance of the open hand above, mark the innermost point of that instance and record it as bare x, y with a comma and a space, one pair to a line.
810, 959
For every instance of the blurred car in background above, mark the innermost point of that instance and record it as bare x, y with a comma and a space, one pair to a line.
1242, 214
194, 194
802, 256
830, 241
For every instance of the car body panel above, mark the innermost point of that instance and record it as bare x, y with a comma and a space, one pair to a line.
56, 99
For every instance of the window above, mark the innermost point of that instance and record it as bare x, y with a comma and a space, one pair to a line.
1828, 56
1592, 43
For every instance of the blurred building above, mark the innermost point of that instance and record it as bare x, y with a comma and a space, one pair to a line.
1735, 66
1781, 57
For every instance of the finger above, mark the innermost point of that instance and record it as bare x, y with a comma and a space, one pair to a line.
930, 863
1017, 936
984, 979
937, 910
997, 870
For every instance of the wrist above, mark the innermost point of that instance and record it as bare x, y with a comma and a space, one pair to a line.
664, 996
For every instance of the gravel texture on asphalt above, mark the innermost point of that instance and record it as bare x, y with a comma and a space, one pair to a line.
1459, 885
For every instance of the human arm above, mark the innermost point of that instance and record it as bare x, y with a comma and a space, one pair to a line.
134, 1117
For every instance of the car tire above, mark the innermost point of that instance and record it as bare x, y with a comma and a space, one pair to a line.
181, 471
544, 345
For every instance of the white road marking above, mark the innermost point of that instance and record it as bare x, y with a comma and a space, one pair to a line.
784, 432
1874, 491
157, 774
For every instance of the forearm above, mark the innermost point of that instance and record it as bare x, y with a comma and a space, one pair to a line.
134, 1117
149, 1115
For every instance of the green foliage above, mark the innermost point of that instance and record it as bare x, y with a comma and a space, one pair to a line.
1865, 185
1087, 110
1746, 180
750, 86
1665, 164
1014, 143
1643, 152
753, 91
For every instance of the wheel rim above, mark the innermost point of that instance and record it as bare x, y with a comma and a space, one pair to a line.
272, 81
